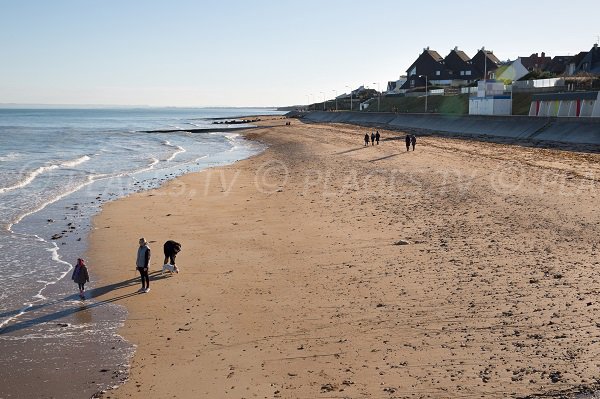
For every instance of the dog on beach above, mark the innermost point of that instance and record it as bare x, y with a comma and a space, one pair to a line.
170, 268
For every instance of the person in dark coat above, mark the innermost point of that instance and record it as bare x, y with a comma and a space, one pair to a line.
377, 136
80, 276
407, 139
372, 138
171, 249
413, 141
142, 264
366, 138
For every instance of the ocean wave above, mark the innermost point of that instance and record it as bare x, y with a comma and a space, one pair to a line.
151, 165
39, 297
31, 176
10, 156
178, 150
75, 162
90, 179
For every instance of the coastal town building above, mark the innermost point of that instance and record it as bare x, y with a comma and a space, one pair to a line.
590, 63
485, 64
429, 64
456, 69
558, 65
573, 63
395, 86
536, 62
490, 99
515, 70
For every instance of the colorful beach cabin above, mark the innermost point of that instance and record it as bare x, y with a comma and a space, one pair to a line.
573, 104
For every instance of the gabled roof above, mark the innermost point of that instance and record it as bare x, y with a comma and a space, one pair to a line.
435, 55
591, 61
535, 61
578, 58
492, 57
458, 54
462, 55
558, 64
431, 54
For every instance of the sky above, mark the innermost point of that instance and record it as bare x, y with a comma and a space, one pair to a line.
256, 53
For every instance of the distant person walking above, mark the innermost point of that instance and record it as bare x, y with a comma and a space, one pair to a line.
372, 138
171, 249
142, 264
413, 141
407, 140
80, 276
366, 138
377, 136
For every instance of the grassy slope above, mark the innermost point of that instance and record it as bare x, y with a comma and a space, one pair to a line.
454, 105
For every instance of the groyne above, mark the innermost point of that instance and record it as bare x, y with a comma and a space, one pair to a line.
565, 130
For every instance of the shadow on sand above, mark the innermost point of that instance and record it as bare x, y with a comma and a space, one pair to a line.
94, 293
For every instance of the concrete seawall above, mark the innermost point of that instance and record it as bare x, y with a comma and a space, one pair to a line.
567, 130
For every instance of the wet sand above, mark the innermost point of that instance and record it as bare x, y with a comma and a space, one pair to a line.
323, 268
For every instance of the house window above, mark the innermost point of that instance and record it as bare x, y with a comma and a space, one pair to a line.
462, 73
468, 73
413, 71
437, 73
412, 83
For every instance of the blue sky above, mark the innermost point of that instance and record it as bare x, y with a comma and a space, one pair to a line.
256, 53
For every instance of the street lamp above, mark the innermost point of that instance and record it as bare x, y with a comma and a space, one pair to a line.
426, 92
335, 99
378, 98
350, 97
323, 99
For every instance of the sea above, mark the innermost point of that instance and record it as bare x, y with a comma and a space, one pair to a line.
57, 168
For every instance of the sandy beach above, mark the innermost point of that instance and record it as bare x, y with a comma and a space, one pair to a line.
322, 268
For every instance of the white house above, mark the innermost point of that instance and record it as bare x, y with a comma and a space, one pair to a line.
513, 71
490, 99
394, 86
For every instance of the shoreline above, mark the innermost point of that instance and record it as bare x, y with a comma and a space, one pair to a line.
55, 315
292, 284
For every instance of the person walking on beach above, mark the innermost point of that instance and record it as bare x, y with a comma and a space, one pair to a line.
366, 138
142, 263
408, 140
413, 141
377, 136
372, 138
171, 249
80, 276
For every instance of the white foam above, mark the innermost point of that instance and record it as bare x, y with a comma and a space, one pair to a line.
179, 150
90, 179
75, 162
45, 284
153, 163
30, 177
19, 313
10, 156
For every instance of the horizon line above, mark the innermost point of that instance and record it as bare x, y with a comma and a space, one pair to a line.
42, 105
